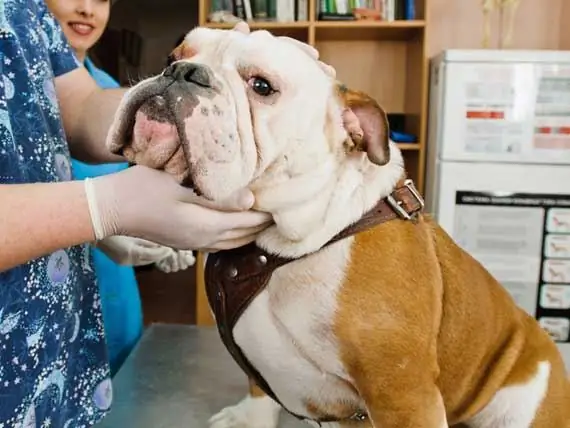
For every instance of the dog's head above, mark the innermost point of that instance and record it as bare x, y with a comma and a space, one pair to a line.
237, 108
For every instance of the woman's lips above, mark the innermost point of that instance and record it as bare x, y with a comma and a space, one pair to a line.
81, 28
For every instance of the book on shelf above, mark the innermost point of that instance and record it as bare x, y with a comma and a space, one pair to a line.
377, 10
259, 10
297, 10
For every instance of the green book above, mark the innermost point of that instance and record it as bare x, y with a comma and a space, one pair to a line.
272, 9
259, 9
331, 6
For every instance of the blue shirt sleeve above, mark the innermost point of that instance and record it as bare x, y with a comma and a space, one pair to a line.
61, 54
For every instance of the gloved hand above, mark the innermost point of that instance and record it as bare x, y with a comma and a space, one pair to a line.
176, 261
126, 250
149, 204
129, 251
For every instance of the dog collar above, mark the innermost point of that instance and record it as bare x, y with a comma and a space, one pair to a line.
235, 277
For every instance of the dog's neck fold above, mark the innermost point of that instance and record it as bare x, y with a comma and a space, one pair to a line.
324, 201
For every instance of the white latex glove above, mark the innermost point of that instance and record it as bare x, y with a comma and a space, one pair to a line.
129, 251
149, 204
176, 261
126, 250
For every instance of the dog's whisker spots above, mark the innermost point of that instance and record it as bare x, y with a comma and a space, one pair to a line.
216, 110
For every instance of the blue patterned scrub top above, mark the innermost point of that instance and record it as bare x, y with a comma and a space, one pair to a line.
53, 363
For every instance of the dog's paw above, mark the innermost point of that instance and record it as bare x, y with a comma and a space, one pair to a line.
251, 412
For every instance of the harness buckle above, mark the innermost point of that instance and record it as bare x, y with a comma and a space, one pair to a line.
397, 205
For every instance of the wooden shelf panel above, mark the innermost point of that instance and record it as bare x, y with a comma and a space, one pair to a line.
408, 146
368, 30
298, 30
417, 23
267, 25
366, 65
340, 30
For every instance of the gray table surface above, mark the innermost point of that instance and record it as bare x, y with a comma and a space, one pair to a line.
177, 376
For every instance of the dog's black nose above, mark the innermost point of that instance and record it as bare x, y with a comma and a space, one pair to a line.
190, 72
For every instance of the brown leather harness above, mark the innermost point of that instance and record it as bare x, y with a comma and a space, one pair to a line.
235, 277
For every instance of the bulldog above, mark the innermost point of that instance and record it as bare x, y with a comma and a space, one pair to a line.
394, 326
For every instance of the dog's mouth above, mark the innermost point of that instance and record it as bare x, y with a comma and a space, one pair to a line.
151, 127
185, 122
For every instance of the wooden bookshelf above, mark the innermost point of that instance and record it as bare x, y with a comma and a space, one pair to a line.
386, 59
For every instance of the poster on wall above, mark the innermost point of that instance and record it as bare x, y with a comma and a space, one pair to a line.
524, 241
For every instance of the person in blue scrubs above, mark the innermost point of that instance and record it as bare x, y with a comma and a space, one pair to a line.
83, 23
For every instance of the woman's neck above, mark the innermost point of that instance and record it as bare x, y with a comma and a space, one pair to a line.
81, 55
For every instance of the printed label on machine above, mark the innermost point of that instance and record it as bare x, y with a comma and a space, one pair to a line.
552, 112
516, 108
499, 107
524, 241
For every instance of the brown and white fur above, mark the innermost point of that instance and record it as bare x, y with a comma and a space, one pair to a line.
397, 321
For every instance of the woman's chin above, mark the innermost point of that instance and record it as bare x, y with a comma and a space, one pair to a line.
81, 45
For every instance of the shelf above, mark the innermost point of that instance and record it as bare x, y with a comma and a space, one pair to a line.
362, 30
408, 146
269, 25
372, 24
339, 30
296, 29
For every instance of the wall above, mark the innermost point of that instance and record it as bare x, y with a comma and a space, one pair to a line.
159, 23
565, 25
459, 24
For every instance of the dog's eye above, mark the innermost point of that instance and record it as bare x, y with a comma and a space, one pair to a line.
261, 86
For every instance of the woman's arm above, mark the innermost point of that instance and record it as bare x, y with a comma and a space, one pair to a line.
87, 112
37, 219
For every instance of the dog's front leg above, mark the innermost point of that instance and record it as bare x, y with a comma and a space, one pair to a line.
401, 394
256, 410
421, 406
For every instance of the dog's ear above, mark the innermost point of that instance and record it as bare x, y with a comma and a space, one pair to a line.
181, 51
242, 27
366, 123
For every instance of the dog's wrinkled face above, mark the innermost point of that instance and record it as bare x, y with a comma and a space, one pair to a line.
236, 108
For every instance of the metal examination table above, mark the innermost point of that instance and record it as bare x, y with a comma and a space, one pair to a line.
177, 377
